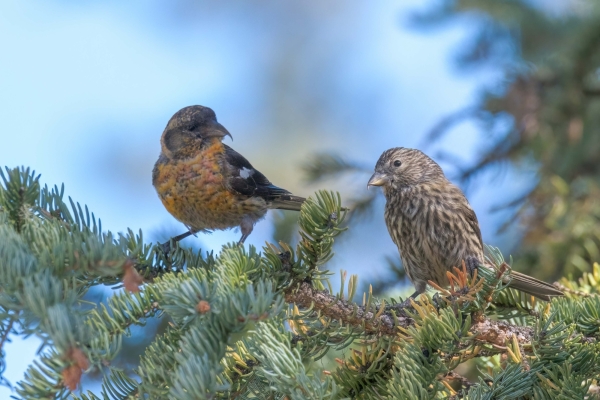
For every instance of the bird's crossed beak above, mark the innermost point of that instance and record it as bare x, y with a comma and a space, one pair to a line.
216, 130
378, 179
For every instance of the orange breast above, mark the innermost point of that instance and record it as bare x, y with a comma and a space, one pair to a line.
193, 191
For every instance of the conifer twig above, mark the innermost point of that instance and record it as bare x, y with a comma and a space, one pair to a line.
572, 291
499, 333
333, 307
7, 332
494, 332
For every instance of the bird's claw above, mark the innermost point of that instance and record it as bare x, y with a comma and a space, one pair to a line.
165, 247
438, 301
403, 307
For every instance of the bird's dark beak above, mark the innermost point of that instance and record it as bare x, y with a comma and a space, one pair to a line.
378, 179
216, 130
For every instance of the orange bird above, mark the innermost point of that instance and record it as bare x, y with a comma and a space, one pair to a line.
207, 185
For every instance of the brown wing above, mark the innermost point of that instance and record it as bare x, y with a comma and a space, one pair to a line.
473, 223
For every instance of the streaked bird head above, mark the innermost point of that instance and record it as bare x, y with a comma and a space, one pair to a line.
190, 128
401, 167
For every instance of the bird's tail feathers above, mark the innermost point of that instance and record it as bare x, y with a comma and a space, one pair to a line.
533, 286
288, 202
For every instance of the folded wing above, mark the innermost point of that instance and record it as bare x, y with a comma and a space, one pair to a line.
244, 179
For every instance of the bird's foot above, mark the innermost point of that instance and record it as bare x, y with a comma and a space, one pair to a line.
190, 231
242, 240
406, 305
438, 301
165, 247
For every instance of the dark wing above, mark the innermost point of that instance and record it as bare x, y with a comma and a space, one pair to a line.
244, 179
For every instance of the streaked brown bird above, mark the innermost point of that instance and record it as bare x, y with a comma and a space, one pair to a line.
432, 223
206, 184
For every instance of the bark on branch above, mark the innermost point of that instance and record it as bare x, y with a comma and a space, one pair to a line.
382, 322
500, 333
350, 313
494, 332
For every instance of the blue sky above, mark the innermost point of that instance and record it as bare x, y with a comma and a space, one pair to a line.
87, 88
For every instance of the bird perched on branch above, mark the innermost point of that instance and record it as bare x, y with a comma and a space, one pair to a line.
206, 184
432, 223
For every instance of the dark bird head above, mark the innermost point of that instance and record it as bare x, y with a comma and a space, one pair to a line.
400, 168
189, 129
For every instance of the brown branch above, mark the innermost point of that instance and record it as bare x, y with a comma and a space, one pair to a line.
572, 291
485, 330
331, 306
494, 332
499, 333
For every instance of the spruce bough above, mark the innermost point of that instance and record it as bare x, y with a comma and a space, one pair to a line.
248, 324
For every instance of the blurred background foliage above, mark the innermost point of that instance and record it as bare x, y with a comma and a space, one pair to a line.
551, 87
502, 93
542, 114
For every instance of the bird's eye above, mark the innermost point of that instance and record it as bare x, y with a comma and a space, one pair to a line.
397, 163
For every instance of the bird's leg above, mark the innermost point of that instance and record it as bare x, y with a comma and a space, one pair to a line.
243, 239
406, 303
166, 246
246, 227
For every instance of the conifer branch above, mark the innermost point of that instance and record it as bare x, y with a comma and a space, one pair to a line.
227, 336
305, 295
7, 331
497, 333
573, 292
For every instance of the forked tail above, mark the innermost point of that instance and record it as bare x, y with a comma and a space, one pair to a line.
533, 286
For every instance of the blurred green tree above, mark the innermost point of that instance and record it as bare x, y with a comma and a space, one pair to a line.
544, 112
549, 57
